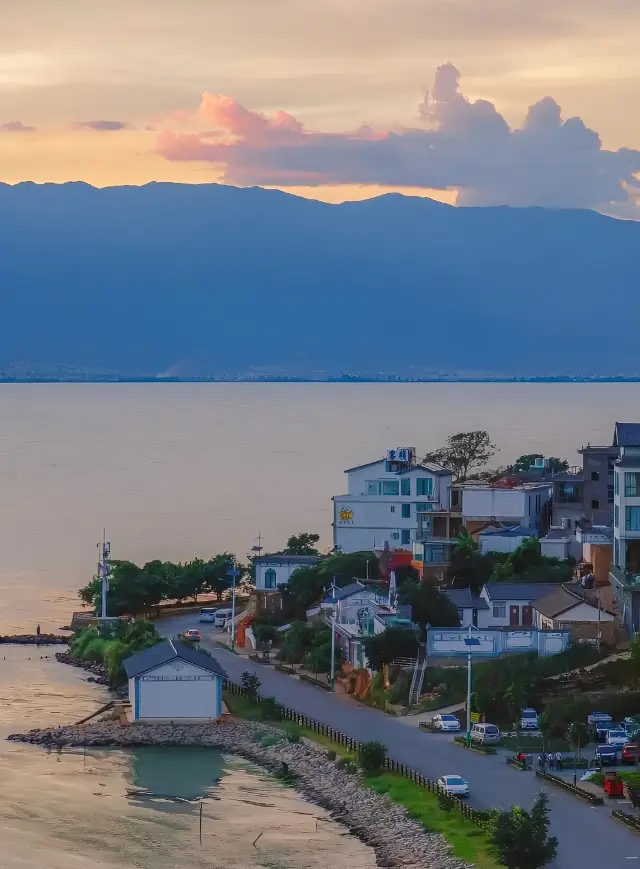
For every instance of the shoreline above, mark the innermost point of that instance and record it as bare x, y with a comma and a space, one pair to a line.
34, 640
397, 840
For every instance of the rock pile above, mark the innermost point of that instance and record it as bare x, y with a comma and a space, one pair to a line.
397, 839
100, 676
34, 640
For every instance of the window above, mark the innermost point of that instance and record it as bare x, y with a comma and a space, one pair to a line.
424, 487
616, 483
499, 610
616, 553
435, 554
595, 504
405, 486
406, 537
270, 578
406, 511
610, 466
390, 487
595, 476
616, 515
393, 509
610, 494
424, 507
632, 485
395, 536
569, 493
632, 518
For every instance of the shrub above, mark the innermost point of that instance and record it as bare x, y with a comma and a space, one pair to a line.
446, 801
251, 684
331, 754
269, 740
346, 765
294, 735
271, 709
372, 756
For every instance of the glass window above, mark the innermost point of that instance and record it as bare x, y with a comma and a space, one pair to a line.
616, 515
499, 610
595, 504
406, 511
406, 537
610, 494
270, 578
632, 485
424, 487
393, 509
616, 482
569, 493
632, 518
435, 554
595, 476
405, 486
395, 536
424, 507
372, 487
390, 487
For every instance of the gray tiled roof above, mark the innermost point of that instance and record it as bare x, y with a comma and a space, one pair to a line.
512, 531
163, 653
348, 591
627, 434
462, 598
522, 591
288, 559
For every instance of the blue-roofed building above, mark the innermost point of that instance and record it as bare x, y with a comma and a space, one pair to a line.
172, 681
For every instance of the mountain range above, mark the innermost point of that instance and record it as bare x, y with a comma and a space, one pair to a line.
176, 278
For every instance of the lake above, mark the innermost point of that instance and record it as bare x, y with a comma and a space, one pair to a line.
174, 471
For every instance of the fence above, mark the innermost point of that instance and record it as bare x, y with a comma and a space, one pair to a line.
393, 766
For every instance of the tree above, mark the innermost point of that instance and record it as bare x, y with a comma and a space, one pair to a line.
296, 643
302, 544
348, 566
579, 736
521, 839
525, 463
305, 588
318, 658
515, 698
429, 606
384, 648
465, 452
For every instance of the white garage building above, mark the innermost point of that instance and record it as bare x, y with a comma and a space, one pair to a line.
172, 681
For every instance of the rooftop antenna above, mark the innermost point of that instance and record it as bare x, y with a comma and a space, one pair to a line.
258, 547
104, 573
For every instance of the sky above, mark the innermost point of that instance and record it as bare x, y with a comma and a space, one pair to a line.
470, 101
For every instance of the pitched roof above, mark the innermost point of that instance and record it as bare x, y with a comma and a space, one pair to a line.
522, 591
166, 651
463, 599
511, 531
626, 434
557, 602
348, 591
432, 467
277, 558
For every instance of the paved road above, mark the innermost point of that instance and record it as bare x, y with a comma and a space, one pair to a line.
588, 837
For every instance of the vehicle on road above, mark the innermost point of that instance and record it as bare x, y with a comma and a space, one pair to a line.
454, 785
528, 719
221, 618
192, 636
446, 723
485, 734
602, 728
606, 755
630, 752
619, 738
207, 614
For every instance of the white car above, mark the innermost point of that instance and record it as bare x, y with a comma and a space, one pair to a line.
454, 785
446, 722
617, 738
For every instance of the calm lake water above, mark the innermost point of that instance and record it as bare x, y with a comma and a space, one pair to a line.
77, 809
174, 471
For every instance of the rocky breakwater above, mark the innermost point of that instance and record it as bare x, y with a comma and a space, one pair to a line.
34, 640
98, 671
397, 839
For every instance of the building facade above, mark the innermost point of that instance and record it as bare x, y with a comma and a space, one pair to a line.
523, 505
394, 502
273, 571
511, 604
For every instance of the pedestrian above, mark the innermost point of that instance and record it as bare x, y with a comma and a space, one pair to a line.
559, 761
37, 630
541, 762
550, 759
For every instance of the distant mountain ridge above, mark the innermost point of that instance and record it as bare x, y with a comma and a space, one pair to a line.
173, 277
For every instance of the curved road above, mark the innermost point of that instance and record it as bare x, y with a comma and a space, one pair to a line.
588, 836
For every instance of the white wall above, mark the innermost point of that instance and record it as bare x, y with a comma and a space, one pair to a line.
177, 690
509, 504
555, 548
498, 543
283, 572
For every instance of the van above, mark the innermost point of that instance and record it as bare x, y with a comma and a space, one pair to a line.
485, 734
528, 719
207, 614
221, 618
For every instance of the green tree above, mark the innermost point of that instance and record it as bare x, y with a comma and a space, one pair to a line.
579, 736
429, 606
306, 588
302, 544
527, 462
464, 453
318, 658
384, 648
346, 567
296, 643
515, 698
521, 839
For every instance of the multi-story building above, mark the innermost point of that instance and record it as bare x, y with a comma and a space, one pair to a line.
625, 571
597, 482
480, 505
393, 503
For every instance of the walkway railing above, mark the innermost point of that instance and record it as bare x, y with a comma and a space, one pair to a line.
351, 744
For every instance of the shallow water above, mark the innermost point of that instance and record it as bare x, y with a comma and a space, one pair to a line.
108, 808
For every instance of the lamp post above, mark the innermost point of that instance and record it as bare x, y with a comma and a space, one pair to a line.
234, 573
333, 634
469, 643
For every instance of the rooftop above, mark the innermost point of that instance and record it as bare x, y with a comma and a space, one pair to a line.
564, 598
419, 466
277, 558
463, 599
509, 531
626, 434
522, 591
166, 651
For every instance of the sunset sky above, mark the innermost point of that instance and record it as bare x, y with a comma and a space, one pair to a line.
335, 99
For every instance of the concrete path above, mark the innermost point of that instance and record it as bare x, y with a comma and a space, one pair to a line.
588, 837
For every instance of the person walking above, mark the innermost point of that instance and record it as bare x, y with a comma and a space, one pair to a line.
559, 761
550, 761
541, 762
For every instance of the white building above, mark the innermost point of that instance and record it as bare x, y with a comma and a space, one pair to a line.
522, 505
626, 508
172, 681
471, 610
392, 503
511, 604
506, 539
275, 570
567, 607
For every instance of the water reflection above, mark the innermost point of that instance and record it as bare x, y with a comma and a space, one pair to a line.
177, 773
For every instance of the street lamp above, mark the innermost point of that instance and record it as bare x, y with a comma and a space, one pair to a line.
469, 643
234, 573
334, 601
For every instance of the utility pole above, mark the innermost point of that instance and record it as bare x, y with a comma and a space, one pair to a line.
469, 642
234, 573
333, 634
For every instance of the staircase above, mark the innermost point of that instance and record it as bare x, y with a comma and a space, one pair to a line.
418, 676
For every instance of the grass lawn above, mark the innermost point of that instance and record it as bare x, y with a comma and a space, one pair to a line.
526, 742
469, 842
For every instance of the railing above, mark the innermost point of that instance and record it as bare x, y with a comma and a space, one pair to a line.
351, 744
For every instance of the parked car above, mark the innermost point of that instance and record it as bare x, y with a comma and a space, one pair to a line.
192, 636
485, 734
630, 752
221, 618
606, 755
617, 738
454, 785
528, 719
602, 728
595, 717
446, 722
207, 614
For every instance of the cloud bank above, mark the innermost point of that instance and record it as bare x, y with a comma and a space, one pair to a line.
103, 126
462, 145
16, 127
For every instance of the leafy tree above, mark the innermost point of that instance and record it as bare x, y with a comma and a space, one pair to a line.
464, 452
296, 643
348, 566
372, 757
265, 633
515, 698
469, 567
525, 463
579, 736
429, 606
302, 544
521, 839
384, 648
306, 587
251, 684
318, 658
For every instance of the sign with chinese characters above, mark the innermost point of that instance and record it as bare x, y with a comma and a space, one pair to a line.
345, 514
400, 454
